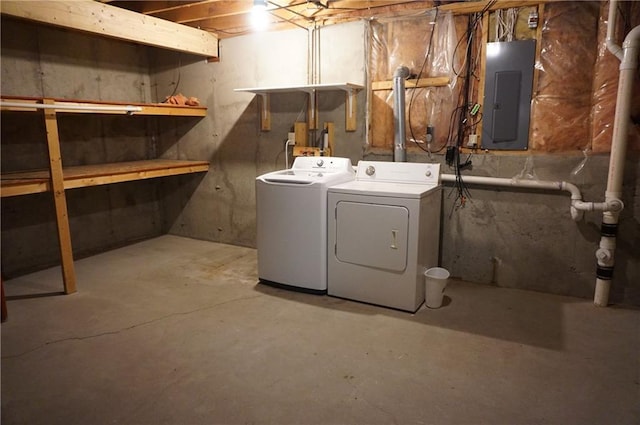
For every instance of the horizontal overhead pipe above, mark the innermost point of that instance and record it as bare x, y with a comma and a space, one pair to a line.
67, 107
578, 206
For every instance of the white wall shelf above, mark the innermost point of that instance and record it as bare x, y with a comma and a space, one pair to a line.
350, 90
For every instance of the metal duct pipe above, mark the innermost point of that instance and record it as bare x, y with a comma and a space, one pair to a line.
605, 254
399, 147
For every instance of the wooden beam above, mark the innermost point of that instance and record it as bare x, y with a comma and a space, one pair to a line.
465, 8
149, 7
410, 84
484, 38
110, 21
204, 10
59, 199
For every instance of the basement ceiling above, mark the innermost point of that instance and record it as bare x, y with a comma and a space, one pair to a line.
229, 18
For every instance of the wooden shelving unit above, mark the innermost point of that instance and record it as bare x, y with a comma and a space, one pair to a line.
56, 179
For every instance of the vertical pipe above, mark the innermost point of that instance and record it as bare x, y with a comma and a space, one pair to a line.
629, 61
399, 147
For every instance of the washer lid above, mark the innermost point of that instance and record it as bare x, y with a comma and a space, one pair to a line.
312, 170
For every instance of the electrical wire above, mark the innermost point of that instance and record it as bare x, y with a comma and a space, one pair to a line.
175, 88
287, 143
413, 92
459, 114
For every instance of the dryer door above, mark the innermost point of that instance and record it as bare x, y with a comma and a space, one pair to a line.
372, 235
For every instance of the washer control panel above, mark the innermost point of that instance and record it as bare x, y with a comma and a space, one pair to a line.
325, 164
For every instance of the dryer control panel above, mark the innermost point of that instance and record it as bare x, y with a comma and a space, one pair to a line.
398, 172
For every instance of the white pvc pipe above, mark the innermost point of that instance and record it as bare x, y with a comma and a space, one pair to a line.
612, 46
62, 106
628, 56
578, 206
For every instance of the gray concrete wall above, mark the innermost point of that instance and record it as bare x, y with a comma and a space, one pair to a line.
42, 61
510, 238
221, 208
526, 239
519, 239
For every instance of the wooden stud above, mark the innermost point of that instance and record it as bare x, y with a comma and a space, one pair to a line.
59, 199
483, 72
330, 127
350, 111
302, 134
264, 104
536, 71
312, 110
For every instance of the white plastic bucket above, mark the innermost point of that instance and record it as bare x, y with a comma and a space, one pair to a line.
435, 280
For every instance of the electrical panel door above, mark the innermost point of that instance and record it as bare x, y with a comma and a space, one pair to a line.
372, 235
507, 99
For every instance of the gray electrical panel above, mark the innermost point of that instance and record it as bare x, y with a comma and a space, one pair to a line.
507, 94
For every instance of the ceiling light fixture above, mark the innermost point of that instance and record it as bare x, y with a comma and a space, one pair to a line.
259, 4
259, 15
317, 4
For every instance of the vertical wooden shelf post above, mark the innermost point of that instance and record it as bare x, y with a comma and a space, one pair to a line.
59, 198
350, 110
264, 105
312, 110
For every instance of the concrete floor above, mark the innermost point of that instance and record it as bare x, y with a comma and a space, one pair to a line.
176, 331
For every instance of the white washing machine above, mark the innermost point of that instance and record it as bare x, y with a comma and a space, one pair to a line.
291, 216
383, 231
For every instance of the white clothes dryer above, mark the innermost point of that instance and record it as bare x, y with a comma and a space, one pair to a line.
291, 221
383, 232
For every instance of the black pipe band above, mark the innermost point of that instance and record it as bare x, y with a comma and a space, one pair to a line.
604, 273
609, 229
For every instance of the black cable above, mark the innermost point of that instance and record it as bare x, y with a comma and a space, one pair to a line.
413, 92
175, 88
462, 192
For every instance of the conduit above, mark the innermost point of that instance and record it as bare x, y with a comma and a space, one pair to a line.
578, 206
628, 57
68, 107
399, 146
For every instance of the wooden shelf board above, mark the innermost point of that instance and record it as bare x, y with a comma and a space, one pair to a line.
36, 181
165, 109
410, 84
